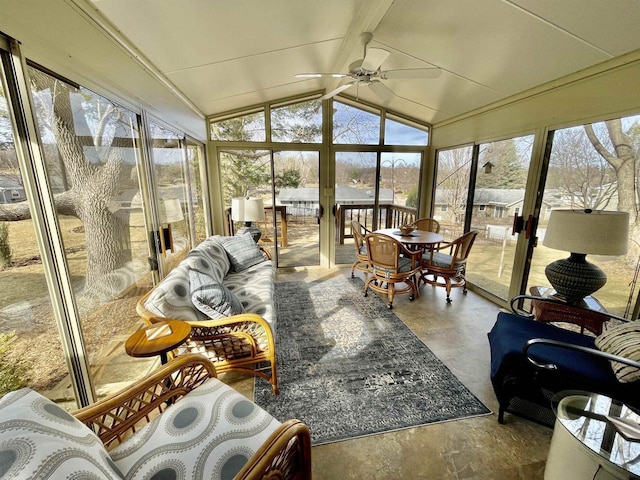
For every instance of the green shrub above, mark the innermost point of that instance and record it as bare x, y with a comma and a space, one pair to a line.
12, 374
5, 248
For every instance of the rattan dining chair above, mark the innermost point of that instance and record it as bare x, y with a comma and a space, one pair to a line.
427, 225
362, 259
450, 266
391, 263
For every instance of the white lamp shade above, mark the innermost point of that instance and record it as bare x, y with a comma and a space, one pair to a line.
253, 209
237, 209
597, 232
247, 209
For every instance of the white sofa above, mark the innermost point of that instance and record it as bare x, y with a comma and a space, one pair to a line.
180, 422
224, 288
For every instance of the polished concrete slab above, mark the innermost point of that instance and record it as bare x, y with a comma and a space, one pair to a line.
473, 448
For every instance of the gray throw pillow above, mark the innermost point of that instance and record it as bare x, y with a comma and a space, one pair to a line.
242, 252
212, 298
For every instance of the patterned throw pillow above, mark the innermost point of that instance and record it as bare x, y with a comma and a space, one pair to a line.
172, 297
242, 252
213, 298
210, 433
38, 439
622, 340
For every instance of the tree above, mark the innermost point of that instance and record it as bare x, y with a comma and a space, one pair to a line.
507, 166
620, 150
289, 177
91, 135
452, 182
578, 172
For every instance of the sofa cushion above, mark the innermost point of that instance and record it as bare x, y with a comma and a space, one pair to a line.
210, 433
242, 251
624, 341
212, 298
212, 249
171, 298
255, 288
38, 439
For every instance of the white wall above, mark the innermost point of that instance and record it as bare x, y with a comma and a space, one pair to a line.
610, 90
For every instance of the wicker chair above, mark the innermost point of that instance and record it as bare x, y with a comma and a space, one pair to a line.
286, 454
362, 259
427, 225
391, 263
450, 266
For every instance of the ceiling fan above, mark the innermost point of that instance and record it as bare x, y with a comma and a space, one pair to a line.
367, 72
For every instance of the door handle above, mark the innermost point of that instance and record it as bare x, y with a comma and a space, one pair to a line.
518, 224
529, 227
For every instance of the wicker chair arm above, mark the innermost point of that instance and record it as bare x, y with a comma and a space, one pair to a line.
414, 255
250, 324
571, 346
286, 455
119, 416
266, 253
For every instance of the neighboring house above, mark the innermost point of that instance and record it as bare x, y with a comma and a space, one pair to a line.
11, 191
301, 201
498, 203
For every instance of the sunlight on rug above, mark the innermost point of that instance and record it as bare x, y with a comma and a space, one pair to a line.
349, 367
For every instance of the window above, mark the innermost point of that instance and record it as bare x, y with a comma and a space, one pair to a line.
354, 126
297, 123
245, 128
400, 132
91, 148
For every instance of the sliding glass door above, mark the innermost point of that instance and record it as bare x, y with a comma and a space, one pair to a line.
499, 193
595, 166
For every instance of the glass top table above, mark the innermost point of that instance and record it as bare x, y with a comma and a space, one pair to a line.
605, 426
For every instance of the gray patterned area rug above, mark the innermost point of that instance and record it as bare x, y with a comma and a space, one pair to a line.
349, 367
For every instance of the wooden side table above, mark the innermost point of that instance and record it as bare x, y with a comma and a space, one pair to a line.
157, 339
589, 314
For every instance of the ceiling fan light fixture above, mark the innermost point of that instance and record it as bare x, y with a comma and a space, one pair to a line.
366, 72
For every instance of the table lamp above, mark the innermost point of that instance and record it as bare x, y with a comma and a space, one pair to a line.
582, 232
247, 210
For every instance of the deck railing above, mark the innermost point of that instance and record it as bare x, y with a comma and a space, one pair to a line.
389, 216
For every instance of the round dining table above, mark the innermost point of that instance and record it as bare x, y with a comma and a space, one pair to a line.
416, 239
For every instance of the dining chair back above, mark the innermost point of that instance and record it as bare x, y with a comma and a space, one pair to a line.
427, 225
449, 261
391, 263
362, 259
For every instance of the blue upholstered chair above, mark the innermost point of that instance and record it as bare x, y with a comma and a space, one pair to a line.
531, 361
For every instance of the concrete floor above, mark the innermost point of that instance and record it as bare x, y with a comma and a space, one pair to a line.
474, 448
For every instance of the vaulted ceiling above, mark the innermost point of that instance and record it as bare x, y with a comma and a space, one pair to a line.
225, 54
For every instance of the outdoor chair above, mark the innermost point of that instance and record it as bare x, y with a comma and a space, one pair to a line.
391, 263
427, 225
362, 259
448, 261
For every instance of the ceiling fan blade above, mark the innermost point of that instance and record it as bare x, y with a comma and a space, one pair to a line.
382, 91
411, 73
374, 58
321, 75
333, 93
